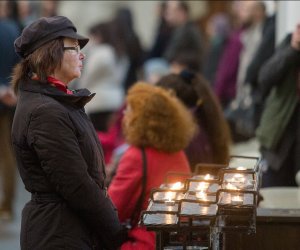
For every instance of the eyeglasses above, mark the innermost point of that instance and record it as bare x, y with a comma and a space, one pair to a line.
76, 48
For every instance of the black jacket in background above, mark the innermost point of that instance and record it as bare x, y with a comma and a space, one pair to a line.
58, 153
264, 51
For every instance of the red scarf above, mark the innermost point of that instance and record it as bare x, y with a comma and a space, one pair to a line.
59, 85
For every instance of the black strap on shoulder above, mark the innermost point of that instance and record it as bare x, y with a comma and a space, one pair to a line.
138, 207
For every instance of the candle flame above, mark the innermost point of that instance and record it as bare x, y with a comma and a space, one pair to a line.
230, 186
170, 196
202, 186
176, 185
201, 195
208, 177
168, 218
237, 198
238, 175
204, 210
239, 178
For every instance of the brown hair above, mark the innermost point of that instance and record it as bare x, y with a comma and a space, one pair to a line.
195, 93
157, 119
109, 33
43, 61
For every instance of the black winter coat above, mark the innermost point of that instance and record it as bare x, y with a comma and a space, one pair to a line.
60, 160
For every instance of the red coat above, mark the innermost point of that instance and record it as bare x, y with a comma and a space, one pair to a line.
126, 187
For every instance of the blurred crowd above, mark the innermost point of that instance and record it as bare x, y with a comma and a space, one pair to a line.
224, 68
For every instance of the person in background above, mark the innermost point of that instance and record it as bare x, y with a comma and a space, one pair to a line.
124, 24
264, 51
59, 156
9, 31
186, 37
218, 30
14, 13
154, 69
155, 64
157, 137
184, 60
279, 129
226, 75
113, 140
27, 12
162, 35
213, 138
104, 73
212, 142
258, 40
251, 38
49, 8
127, 63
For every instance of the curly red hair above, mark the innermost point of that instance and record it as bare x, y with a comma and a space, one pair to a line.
157, 119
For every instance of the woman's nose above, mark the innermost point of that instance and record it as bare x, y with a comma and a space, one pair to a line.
81, 56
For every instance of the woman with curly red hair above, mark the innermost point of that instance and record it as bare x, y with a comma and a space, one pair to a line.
158, 127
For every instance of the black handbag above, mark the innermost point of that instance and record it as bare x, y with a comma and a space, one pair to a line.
240, 116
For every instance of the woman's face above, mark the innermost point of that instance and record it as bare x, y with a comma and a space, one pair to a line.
71, 65
127, 115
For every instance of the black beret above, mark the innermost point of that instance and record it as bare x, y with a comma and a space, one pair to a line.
46, 29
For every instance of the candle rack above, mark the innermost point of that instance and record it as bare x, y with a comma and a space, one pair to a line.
194, 211
236, 210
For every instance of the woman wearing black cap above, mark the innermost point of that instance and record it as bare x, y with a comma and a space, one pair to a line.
59, 156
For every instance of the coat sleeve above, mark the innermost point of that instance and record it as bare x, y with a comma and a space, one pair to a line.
226, 74
275, 69
52, 136
126, 185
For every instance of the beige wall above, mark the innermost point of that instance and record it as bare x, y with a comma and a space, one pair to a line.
86, 13
288, 18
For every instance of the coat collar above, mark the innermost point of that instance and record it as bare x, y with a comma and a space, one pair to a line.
79, 98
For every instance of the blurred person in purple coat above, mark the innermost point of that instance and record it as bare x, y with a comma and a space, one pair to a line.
218, 30
226, 75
